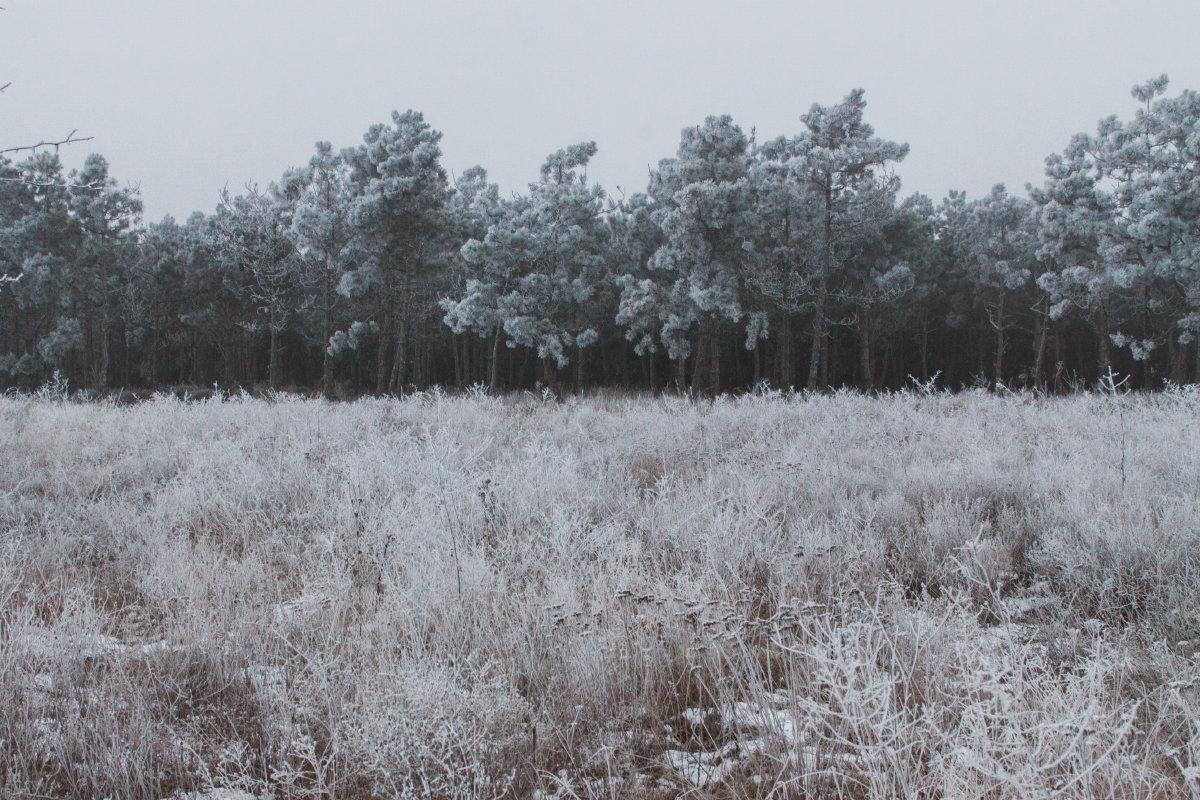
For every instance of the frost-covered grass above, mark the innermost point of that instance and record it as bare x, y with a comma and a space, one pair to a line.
614, 597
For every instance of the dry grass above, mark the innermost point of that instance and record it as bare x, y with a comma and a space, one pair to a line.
917, 595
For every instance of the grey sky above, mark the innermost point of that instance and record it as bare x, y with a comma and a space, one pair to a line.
184, 98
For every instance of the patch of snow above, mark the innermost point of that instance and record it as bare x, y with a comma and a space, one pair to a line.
701, 769
56, 644
214, 794
764, 720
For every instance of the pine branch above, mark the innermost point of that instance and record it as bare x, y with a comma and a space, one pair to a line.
94, 186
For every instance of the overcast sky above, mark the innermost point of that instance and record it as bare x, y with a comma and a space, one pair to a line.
185, 98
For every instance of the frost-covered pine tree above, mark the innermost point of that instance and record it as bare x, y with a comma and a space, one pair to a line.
787, 213
1153, 165
635, 237
843, 166
106, 216
912, 242
473, 207
704, 209
253, 236
1119, 218
1075, 215
156, 301
399, 210
325, 239
37, 242
874, 272
541, 268
1001, 246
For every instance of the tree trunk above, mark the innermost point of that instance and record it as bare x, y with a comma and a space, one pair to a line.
326, 324
827, 347
819, 334
1104, 344
864, 349
924, 348
122, 338
1039, 357
152, 361
818, 366
714, 361
883, 363
786, 372
1000, 344
273, 359
102, 367
399, 376
492, 359
458, 360
1175, 355
381, 359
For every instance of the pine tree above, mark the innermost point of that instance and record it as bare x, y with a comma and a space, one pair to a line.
253, 233
542, 268
705, 212
840, 162
1000, 256
324, 237
107, 217
399, 211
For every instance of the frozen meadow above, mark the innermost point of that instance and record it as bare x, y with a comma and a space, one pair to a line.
919, 594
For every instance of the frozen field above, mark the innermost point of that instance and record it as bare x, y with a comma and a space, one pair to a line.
614, 597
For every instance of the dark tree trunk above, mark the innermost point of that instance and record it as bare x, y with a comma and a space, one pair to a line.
458, 360
273, 358
1000, 343
102, 367
1039, 356
492, 378
924, 348
786, 369
399, 376
1103, 346
326, 332
819, 341
381, 359
714, 361
864, 349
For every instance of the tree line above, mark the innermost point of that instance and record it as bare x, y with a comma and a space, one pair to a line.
792, 261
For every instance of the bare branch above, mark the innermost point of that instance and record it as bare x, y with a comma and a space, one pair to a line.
71, 138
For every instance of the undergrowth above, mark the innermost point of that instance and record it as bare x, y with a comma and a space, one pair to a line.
784, 596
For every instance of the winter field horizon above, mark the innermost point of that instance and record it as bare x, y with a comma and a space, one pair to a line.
773, 595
